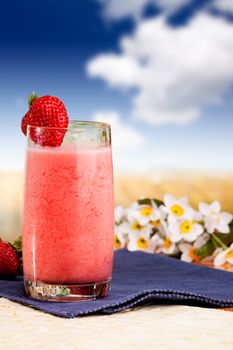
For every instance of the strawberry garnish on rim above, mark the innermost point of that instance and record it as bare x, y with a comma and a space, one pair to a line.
49, 120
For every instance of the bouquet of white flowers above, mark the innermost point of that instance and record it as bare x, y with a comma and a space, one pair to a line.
174, 228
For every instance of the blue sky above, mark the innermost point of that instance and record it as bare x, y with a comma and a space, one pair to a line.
173, 113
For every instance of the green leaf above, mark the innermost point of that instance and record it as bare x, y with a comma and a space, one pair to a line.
32, 98
147, 201
208, 248
17, 245
227, 238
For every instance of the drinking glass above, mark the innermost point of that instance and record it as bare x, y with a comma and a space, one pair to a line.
68, 216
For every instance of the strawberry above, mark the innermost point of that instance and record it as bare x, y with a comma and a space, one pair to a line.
48, 112
9, 263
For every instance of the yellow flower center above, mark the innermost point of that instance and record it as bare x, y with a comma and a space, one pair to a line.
136, 226
155, 223
193, 255
186, 227
177, 210
167, 243
142, 243
117, 243
146, 211
216, 216
229, 254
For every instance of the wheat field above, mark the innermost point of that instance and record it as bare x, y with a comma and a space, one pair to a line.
199, 187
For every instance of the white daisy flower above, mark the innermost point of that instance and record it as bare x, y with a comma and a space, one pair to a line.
119, 214
119, 241
162, 227
131, 212
158, 221
133, 231
189, 252
141, 241
178, 208
215, 220
144, 213
165, 245
150, 214
187, 230
120, 235
224, 256
168, 247
132, 227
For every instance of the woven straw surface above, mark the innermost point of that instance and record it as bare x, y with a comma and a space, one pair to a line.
151, 327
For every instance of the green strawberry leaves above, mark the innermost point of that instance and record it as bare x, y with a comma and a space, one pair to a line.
17, 245
32, 98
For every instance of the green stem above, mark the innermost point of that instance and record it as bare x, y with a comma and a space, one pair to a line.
214, 243
32, 98
219, 241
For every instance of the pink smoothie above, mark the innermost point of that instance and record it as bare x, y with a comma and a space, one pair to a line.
68, 219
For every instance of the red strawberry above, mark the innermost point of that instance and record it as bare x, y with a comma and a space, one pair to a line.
46, 111
9, 263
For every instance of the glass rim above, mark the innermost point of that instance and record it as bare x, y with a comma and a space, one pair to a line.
74, 125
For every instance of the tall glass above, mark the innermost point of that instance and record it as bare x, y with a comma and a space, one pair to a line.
68, 220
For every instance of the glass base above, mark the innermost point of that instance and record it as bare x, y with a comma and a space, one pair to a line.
67, 292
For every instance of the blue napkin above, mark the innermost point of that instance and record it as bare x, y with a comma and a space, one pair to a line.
141, 278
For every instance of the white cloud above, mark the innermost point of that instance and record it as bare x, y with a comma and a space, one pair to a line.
126, 73
223, 5
118, 9
175, 71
